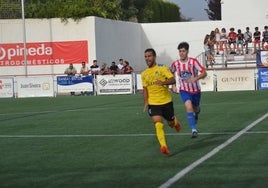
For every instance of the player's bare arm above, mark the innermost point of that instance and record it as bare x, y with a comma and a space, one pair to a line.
145, 98
169, 81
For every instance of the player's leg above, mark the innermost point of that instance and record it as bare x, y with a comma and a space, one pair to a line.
187, 99
196, 105
156, 114
172, 120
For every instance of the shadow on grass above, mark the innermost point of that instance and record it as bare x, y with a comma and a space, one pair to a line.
202, 142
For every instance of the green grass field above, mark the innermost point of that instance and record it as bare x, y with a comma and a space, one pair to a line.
108, 141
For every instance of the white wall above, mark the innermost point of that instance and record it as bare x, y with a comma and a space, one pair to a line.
117, 39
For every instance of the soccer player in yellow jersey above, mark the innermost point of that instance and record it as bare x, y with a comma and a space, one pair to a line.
157, 97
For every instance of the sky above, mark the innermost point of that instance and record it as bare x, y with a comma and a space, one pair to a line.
193, 9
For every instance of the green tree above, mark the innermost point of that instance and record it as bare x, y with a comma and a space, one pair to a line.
214, 9
126, 10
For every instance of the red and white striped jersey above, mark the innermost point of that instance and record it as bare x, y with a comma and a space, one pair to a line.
185, 71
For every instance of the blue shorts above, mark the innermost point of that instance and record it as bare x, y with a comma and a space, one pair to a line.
195, 98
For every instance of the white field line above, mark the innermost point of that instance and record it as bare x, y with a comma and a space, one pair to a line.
183, 172
120, 135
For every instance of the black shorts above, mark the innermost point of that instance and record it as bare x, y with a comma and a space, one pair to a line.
164, 110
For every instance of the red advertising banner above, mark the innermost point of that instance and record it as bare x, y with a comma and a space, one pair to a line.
44, 53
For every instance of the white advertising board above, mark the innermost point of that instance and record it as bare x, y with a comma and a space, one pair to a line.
139, 82
114, 84
41, 86
207, 84
6, 88
235, 80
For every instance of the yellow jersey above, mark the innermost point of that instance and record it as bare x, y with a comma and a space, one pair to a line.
157, 95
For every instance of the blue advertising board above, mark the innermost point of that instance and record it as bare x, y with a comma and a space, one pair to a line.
75, 83
262, 58
263, 78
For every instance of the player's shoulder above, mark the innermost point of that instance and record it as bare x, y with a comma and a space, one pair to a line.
175, 62
161, 65
193, 59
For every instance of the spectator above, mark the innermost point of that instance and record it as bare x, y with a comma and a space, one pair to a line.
223, 40
257, 39
120, 64
127, 69
208, 54
104, 69
264, 37
232, 40
84, 69
71, 71
212, 42
95, 67
247, 38
113, 68
240, 42
217, 40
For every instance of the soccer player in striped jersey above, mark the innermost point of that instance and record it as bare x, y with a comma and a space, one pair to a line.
189, 72
157, 97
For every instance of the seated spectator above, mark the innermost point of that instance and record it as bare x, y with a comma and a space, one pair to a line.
217, 40
257, 39
240, 42
208, 54
232, 41
212, 42
265, 37
95, 67
127, 69
113, 68
120, 64
84, 69
71, 71
104, 69
223, 40
247, 38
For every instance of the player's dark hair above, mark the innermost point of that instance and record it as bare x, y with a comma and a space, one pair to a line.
150, 50
184, 45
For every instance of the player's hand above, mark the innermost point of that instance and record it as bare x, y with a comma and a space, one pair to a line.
145, 107
192, 79
158, 82
174, 89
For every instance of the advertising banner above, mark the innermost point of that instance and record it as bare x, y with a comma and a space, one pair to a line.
263, 78
110, 84
74, 83
235, 80
35, 86
139, 82
44, 53
207, 84
262, 58
6, 88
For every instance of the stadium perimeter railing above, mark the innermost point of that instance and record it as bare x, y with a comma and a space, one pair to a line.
228, 79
